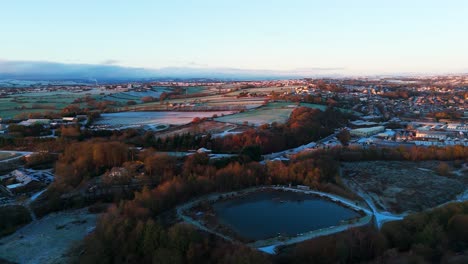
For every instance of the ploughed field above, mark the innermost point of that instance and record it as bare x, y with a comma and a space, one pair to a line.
270, 213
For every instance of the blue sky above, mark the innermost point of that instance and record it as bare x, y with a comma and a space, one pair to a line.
356, 37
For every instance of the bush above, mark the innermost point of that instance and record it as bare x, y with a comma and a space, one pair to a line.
12, 218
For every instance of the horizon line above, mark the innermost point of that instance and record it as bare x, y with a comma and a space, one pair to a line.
25, 69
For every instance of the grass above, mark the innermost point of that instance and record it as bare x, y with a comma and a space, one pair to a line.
7, 155
273, 112
57, 100
264, 90
53, 101
315, 106
195, 89
13, 217
48, 102
324, 107
194, 129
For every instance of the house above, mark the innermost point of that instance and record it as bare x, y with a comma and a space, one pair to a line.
69, 119
23, 180
362, 123
204, 150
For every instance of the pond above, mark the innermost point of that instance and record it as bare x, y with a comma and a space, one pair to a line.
265, 214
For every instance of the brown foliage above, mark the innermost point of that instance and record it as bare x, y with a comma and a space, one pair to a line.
83, 160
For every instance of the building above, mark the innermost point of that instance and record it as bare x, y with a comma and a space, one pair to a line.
22, 180
70, 119
428, 143
388, 133
366, 131
430, 134
362, 123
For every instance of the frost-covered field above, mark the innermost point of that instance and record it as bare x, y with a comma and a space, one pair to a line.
136, 96
48, 239
273, 112
135, 119
25, 83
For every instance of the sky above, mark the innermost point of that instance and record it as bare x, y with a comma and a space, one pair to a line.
352, 37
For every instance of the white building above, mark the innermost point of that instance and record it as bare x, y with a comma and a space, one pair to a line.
366, 131
431, 134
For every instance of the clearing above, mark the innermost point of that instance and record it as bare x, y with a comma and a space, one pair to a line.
403, 186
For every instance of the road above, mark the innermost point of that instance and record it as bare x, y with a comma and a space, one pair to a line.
310, 145
379, 216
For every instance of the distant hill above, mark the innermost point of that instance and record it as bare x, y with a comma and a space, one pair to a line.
31, 70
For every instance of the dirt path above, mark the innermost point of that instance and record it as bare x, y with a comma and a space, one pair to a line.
379, 217
31, 199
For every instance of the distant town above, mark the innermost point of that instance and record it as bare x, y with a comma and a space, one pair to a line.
429, 111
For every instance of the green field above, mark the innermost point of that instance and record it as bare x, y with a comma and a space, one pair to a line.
324, 107
196, 89
316, 106
273, 112
263, 90
44, 102
36, 103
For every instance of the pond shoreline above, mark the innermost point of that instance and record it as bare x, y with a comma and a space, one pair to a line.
185, 212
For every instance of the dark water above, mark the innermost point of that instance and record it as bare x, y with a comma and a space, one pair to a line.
262, 215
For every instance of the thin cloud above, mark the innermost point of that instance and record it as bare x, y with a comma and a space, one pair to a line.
46, 70
196, 64
110, 62
321, 69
